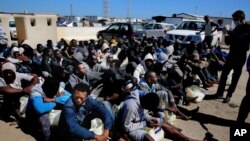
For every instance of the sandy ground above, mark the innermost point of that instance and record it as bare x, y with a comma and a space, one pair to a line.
214, 117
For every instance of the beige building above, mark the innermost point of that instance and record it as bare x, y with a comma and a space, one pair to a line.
38, 28
35, 28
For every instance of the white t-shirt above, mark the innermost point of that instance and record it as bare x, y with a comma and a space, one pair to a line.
17, 83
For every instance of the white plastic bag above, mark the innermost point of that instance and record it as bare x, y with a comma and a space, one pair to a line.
97, 126
24, 101
170, 116
54, 116
156, 133
195, 92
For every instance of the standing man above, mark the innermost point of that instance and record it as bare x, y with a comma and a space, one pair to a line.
239, 40
244, 107
208, 28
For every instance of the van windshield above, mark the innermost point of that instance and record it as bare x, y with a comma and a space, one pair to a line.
191, 25
137, 27
12, 24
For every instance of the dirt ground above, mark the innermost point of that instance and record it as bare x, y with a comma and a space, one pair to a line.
214, 117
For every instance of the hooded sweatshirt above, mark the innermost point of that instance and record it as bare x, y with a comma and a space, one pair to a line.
132, 116
11, 58
36, 101
19, 76
141, 69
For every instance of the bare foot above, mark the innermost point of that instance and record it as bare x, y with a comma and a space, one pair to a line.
12, 123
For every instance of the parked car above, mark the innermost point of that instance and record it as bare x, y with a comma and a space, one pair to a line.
187, 30
158, 29
12, 26
62, 23
70, 24
118, 30
3, 38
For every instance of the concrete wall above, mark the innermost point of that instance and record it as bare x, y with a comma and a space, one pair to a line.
4, 19
36, 28
78, 33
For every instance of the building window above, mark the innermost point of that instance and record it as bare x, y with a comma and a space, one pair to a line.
49, 22
33, 22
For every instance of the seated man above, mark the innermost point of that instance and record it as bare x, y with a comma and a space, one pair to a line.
150, 84
199, 67
43, 99
144, 66
77, 114
82, 74
11, 88
133, 118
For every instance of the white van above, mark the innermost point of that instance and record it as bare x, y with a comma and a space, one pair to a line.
186, 32
12, 26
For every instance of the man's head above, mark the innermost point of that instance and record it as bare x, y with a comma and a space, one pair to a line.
72, 46
238, 15
150, 77
73, 43
149, 63
220, 21
57, 54
9, 72
114, 64
71, 50
15, 52
81, 69
50, 87
48, 52
9, 76
49, 43
206, 18
150, 101
80, 94
39, 48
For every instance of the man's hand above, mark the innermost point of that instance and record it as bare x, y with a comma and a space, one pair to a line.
154, 123
101, 138
23, 58
46, 99
28, 89
104, 136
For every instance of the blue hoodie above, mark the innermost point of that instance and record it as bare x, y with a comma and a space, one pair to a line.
72, 117
37, 103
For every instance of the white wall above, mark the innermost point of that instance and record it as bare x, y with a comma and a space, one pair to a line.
42, 29
78, 33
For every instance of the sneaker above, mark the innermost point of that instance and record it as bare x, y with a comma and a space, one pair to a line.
226, 100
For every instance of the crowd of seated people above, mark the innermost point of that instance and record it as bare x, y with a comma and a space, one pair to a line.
127, 83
